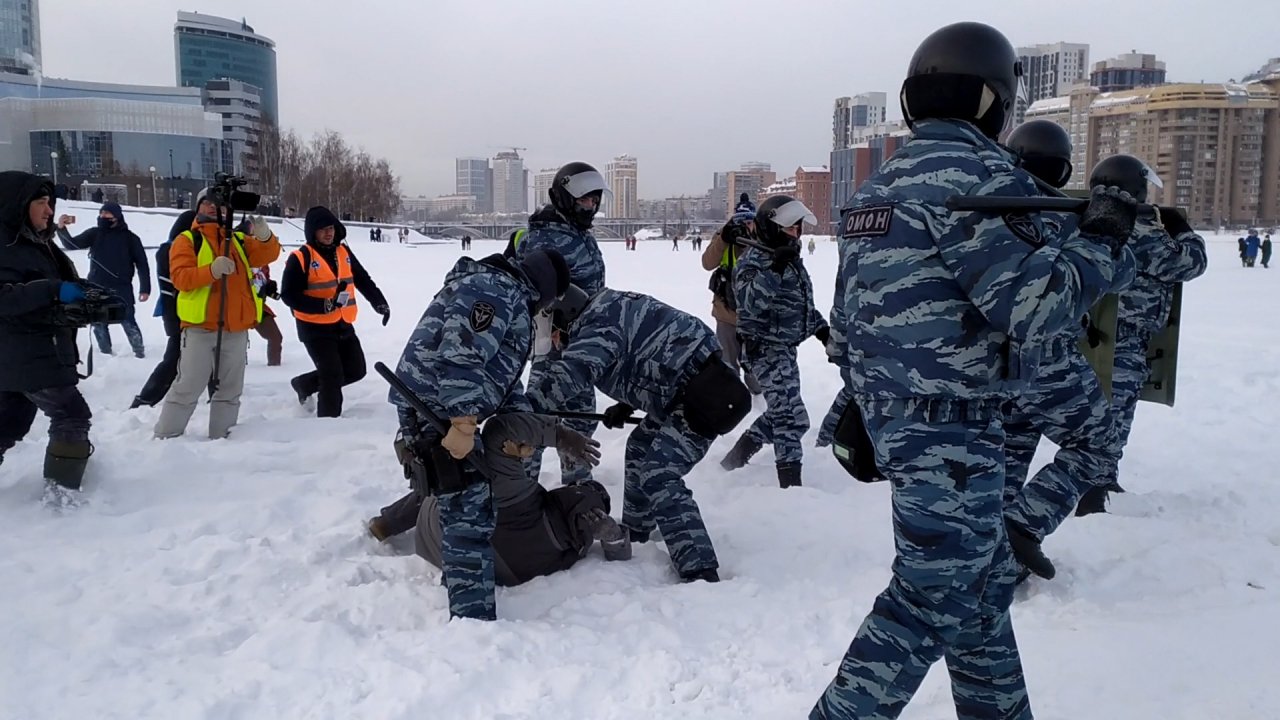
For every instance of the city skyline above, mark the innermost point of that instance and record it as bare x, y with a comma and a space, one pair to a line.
662, 105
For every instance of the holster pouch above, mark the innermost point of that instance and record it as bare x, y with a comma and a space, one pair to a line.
715, 399
852, 446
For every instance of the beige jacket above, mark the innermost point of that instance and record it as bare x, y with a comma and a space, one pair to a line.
710, 261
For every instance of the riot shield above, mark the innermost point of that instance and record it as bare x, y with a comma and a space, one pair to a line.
1098, 343
1162, 356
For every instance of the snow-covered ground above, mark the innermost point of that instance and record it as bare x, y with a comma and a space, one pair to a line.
233, 579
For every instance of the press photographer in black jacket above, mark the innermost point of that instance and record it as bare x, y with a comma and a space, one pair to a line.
38, 356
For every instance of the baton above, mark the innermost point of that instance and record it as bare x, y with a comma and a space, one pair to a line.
567, 415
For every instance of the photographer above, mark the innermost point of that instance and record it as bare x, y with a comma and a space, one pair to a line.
319, 283
114, 252
212, 270
38, 354
720, 257
266, 288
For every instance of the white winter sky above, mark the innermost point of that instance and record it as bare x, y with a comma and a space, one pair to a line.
688, 87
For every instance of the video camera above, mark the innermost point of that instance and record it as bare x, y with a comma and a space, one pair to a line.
226, 192
99, 306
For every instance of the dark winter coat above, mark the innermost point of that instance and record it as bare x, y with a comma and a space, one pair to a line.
1251, 244
34, 354
167, 303
114, 253
1266, 250
293, 284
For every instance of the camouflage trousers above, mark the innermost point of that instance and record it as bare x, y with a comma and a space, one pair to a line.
827, 431
785, 420
1127, 380
660, 452
586, 402
1066, 404
467, 522
953, 576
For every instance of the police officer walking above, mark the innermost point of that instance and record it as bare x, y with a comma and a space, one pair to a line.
947, 313
775, 314
1065, 401
577, 192
1168, 252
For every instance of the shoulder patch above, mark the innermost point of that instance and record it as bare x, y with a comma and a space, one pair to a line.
1025, 228
867, 222
482, 316
746, 275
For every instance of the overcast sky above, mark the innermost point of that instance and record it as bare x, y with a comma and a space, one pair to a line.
686, 86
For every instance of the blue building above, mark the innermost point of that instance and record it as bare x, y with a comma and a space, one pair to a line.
213, 48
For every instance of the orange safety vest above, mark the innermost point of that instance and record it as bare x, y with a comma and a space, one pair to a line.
323, 284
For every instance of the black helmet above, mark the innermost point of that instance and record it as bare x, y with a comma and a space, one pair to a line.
965, 71
574, 181
1125, 172
777, 214
1043, 148
566, 309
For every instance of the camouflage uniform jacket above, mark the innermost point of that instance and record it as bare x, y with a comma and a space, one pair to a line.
942, 304
774, 307
549, 230
634, 348
1162, 261
470, 346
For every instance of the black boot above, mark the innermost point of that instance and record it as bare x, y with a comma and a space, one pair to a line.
1094, 500
741, 452
65, 462
301, 391
710, 575
638, 537
788, 475
1026, 549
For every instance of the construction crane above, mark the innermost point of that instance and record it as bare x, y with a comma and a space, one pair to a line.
513, 148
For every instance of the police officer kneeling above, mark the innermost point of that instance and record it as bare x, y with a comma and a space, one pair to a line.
38, 353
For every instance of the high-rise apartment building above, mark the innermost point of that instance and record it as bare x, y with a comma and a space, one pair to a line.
852, 113
20, 37
212, 48
1126, 72
542, 181
1050, 71
239, 104
621, 175
751, 178
1208, 143
472, 176
510, 183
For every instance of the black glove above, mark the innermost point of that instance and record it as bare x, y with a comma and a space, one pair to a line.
783, 256
1092, 333
823, 334
269, 290
617, 415
385, 311
576, 448
1111, 214
1174, 221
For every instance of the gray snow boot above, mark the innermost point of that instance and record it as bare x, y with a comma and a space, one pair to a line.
788, 475
741, 452
615, 541
65, 462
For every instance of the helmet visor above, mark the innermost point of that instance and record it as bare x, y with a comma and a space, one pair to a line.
792, 213
584, 183
1151, 176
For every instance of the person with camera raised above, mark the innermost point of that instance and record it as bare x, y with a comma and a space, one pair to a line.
38, 354
720, 258
212, 270
319, 284
114, 252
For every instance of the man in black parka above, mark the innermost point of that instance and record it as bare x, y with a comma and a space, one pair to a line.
38, 357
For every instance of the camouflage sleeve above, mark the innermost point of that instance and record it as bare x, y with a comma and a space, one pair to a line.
581, 365
516, 401
1180, 259
1025, 287
474, 326
837, 347
755, 291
